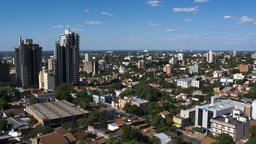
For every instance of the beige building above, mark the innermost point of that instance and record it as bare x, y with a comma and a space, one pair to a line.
167, 69
46, 80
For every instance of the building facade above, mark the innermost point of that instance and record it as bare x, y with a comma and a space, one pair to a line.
28, 57
4, 72
46, 80
66, 57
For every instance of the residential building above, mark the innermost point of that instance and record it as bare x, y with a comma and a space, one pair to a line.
28, 57
180, 56
188, 82
243, 68
50, 64
167, 69
194, 69
210, 57
46, 80
4, 72
91, 67
86, 57
66, 56
141, 64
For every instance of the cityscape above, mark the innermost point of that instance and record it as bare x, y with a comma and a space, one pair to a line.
128, 72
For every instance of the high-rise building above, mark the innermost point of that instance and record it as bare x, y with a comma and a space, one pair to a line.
180, 56
50, 64
4, 72
91, 67
67, 58
86, 57
210, 57
28, 57
167, 69
46, 80
141, 64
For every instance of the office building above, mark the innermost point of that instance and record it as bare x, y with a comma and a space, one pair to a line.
67, 58
28, 57
237, 128
46, 80
217, 108
4, 72
55, 113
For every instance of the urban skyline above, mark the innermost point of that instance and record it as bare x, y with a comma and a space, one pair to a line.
132, 25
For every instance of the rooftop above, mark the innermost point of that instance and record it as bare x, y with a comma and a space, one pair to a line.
55, 109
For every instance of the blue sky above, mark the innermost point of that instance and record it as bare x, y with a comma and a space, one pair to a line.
132, 24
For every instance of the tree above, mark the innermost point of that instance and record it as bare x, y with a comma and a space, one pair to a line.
132, 109
64, 91
3, 124
42, 130
224, 139
252, 138
80, 142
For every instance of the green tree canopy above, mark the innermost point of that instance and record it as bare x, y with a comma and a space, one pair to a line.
64, 91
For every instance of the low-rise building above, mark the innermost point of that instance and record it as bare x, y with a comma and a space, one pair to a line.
55, 113
188, 82
237, 128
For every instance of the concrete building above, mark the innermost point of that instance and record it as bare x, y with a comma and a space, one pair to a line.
210, 57
55, 113
46, 80
188, 82
243, 68
167, 69
194, 69
4, 72
217, 108
50, 64
236, 128
86, 57
254, 109
141, 64
66, 57
91, 67
180, 56
28, 57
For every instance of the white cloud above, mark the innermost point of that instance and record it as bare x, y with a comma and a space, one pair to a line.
58, 26
107, 13
93, 22
201, 1
78, 29
246, 20
187, 20
87, 10
187, 9
153, 24
227, 17
153, 3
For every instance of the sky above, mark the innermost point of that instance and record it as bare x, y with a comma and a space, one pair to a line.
132, 24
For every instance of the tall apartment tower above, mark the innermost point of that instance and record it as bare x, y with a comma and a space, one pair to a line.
66, 57
210, 57
28, 59
4, 71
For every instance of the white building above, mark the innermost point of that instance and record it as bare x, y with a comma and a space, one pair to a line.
86, 57
180, 56
254, 109
210, 57
188, 82
46, 80
217, 108
141, 64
